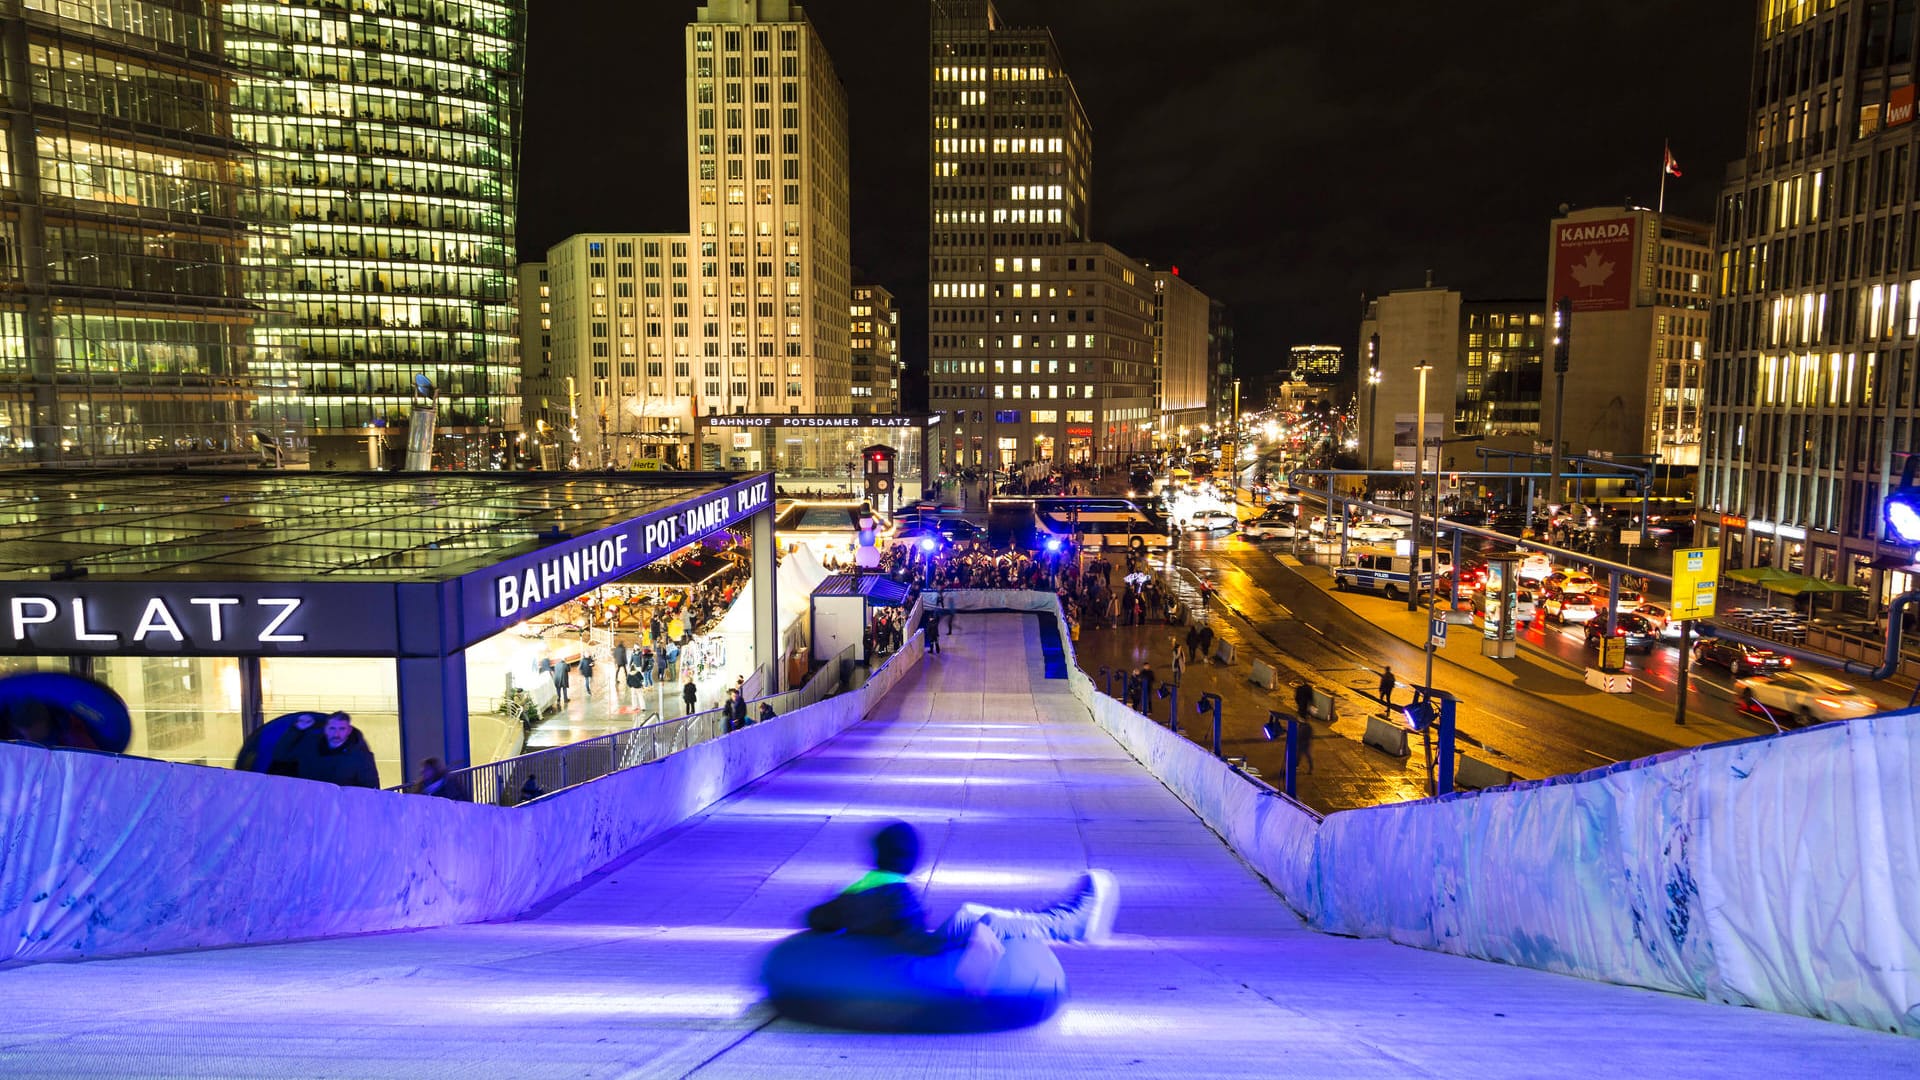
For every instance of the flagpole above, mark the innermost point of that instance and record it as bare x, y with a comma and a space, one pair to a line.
1666, 155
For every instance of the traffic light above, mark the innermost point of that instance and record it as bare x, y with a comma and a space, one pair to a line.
1453, 481
1562, 333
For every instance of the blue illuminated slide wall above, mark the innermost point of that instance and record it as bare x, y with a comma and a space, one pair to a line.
1781, 872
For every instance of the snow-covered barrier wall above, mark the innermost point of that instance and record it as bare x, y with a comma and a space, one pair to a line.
105, 856
1781, 872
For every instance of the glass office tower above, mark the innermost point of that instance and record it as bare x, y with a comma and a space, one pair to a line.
131, 243
390, 135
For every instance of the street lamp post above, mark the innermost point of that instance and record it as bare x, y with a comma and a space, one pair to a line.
1419, 463
1562, 347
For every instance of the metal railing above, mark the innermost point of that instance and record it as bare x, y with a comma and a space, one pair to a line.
517, 780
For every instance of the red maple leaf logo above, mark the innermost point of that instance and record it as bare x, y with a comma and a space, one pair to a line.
1593, 272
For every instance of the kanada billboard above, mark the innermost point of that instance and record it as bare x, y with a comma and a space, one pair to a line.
1593, 264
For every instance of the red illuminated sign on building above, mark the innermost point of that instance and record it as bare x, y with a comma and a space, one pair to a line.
1081, 432
1900, 106
1593, 264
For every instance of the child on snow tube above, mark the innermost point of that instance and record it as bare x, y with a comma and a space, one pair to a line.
868, 961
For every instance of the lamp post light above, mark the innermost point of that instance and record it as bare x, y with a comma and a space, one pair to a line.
1419, 464
1562, 350
1281, 724
1211, 700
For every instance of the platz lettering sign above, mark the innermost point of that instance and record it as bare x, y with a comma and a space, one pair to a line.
55, 618
208, 617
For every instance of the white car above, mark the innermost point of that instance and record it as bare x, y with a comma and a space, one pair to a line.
1270, 529
1803, 697
1374, 532
1534, 567
1213, 520
1571, 607
1659, 616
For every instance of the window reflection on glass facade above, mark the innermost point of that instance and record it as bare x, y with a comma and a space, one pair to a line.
184, 708
392, 132
131, 237
366, 689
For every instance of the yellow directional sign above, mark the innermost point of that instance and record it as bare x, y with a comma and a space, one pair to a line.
1696, 582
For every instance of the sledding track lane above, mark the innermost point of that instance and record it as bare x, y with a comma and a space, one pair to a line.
648, 970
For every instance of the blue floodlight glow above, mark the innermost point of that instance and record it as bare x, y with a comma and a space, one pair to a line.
1053, 544
1903, 518
926, 543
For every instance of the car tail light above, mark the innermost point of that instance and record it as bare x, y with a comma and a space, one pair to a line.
1786, 661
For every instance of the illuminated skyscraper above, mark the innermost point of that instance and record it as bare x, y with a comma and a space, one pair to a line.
1022, 305
390, 135
767, 148
876, 350
130, 239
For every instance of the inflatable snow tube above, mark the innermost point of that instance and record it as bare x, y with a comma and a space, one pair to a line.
868, 983
54, 708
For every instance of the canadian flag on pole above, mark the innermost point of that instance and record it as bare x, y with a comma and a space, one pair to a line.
1673, 167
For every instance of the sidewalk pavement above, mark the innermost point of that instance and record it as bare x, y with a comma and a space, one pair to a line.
1530, 670
1345, 773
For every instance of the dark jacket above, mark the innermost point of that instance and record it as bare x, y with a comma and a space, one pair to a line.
312, 759
449, 786
886, 910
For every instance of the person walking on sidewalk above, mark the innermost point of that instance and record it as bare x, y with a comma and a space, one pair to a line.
1303, 746
636, 683
562, 676
690, 693
1206, 641
1387, 682
930, 631
1179, 663
586, 673
1303, 701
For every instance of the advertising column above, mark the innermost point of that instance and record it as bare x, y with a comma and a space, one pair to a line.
1497, 607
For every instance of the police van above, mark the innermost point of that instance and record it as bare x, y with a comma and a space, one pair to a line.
1389, 574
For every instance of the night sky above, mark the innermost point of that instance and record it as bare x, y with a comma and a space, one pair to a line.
1287, 157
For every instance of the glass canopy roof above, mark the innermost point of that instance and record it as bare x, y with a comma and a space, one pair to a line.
296, 526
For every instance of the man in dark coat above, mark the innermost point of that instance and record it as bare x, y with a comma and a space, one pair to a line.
689, 693
438, 780
562, 675
586, 672
335, 752
930, 628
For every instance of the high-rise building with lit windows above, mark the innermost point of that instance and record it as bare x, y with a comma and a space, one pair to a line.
1812, 407
1180, 369
1020, 296
875, 345
131, 238
389, 132
613, 385
1637, 283
768, 211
